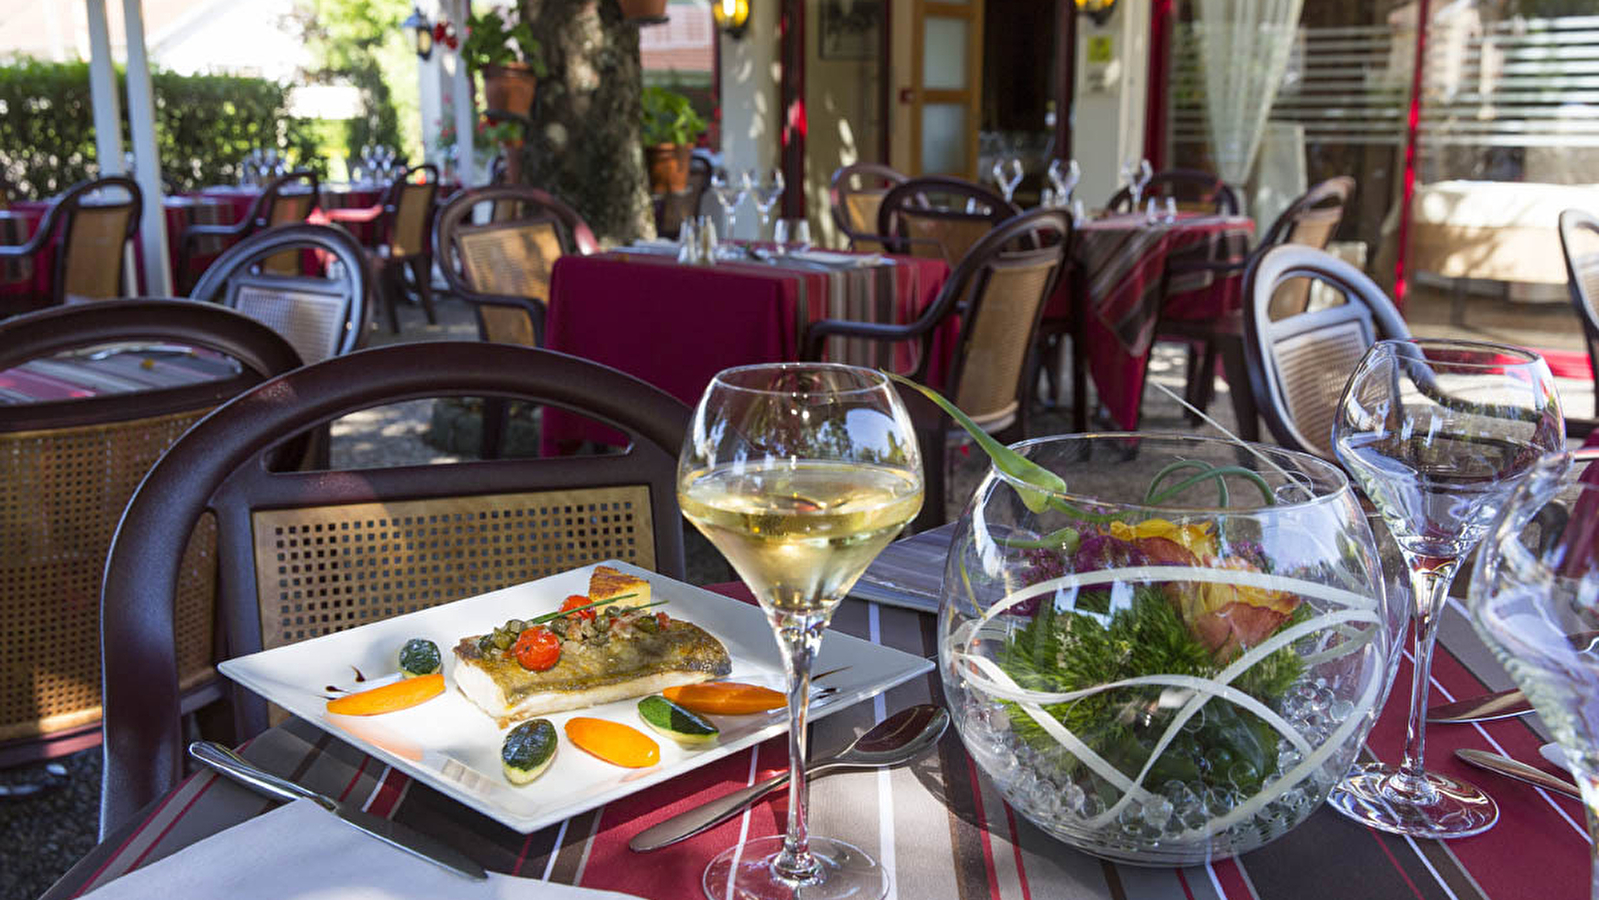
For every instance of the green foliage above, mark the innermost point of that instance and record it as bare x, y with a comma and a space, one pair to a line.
492, 41
205, 125
669, 118
361, 43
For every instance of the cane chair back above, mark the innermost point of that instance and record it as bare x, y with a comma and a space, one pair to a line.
412, 204
1579, 240
320, 315
1310, 221
284, 200
939, 217
504, 265
67, 469
854, 197
1193, 189
96, 219
1298, 364
507, 521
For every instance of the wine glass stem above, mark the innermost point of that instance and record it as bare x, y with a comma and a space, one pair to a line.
800, 636
1429, 579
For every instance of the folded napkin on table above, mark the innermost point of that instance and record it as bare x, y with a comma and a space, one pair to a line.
302, 851
654, 245
843, 260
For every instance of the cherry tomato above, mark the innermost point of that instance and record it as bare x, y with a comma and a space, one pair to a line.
663, 620
576, 600
537, 648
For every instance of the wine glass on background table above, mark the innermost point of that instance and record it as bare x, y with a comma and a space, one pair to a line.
766, 188
728, 189
1535, 602
1007, 177
1437, 433
800, 474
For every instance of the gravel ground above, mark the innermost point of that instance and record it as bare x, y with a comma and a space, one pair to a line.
43, 835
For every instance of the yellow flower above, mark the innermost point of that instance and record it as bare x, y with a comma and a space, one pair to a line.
1228, 618
1196, 538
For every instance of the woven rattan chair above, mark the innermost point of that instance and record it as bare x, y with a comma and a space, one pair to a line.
1193, 189
321, 316
1310, 221
1298, 363
284, 200
67, 469
503, 266
939, 217
95, 220
1579, 239
1005, 278
508, 521
854, 196
407, 248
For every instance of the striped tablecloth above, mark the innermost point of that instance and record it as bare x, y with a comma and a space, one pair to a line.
938, 825
676, 325
122, 371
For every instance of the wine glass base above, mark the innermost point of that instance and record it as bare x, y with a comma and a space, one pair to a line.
744, 872
1456, 810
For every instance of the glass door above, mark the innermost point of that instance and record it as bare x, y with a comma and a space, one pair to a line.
946, 67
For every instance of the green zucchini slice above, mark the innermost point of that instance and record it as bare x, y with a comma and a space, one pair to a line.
676, 722
528, 750
419, 656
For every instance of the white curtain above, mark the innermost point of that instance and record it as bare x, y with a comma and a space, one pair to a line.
1244, 46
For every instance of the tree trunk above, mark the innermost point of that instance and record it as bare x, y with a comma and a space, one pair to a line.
584, 143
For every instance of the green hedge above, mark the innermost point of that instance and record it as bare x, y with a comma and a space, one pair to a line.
205, 124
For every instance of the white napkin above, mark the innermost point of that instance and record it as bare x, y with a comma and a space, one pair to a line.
826, 258
302, 852
652, 245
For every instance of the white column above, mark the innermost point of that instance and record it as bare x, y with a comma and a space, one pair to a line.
465, 114
147, 162
1112, 76
107, 112
432, 87
751, 69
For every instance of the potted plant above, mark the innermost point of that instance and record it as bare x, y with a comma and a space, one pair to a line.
510, 58
643, 12
670, 128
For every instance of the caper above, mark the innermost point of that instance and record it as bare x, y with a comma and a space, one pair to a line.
516, 626
647, 624
485, 643
503, 640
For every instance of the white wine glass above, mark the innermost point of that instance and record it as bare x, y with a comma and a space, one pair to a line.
766, 188
1535, 601
799, 473
1145, 173
1008, 177
1437, 433
729, 191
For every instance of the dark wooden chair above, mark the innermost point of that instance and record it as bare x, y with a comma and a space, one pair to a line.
1193, 189
67, 469
1298, 363
406, 249
94, 225
998, 291
1579, 240
321, 315
284, 200
503, 266
939, 217
510, 521
854, 196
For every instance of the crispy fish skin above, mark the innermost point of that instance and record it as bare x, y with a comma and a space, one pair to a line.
589, 674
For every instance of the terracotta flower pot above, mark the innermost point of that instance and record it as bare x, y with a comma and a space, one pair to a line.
668, 167
643, 12
509, 88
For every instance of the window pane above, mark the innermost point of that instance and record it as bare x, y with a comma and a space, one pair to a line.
944, 138
944, 54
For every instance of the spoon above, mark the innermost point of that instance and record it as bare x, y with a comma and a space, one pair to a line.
896, 740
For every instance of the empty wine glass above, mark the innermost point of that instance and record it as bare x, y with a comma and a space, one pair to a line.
1145, 174
792, 233
729, 192
1064, 175
1008, 183
766, 189
1437, 433
1535, 602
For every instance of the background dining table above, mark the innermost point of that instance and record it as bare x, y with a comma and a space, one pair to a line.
115, 370
676, 325
939, 825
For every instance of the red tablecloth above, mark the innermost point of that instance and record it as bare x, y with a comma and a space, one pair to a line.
1125, 260
128, 371
676, 326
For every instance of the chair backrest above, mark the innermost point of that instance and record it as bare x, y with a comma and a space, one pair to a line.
321, 315
67, 469
854, 196
509, 257
1193, 189
939, 217
1298, 364
1579, 240
409, 205
284, 200
1310, 221
1006, 278
510, 521
97, 219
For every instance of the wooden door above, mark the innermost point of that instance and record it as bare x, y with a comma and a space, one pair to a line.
946, 69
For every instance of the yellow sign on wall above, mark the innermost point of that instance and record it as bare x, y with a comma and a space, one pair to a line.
1101, 49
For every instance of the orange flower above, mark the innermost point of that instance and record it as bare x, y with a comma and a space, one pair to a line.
1228, 618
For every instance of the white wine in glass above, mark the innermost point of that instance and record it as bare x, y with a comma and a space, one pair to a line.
800, 474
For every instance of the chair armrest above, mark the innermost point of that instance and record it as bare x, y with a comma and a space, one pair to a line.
533, 306
819, 331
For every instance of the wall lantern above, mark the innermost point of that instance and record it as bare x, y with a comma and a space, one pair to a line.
1098, 10
732, 16
418, 23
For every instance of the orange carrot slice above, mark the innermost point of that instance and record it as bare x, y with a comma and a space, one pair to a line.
613, 742
725, 698
401, 694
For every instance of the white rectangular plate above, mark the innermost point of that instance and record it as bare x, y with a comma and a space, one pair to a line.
451, 745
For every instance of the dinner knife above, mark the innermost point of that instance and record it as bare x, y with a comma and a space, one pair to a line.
1499, 705
1504, 765
224, 761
